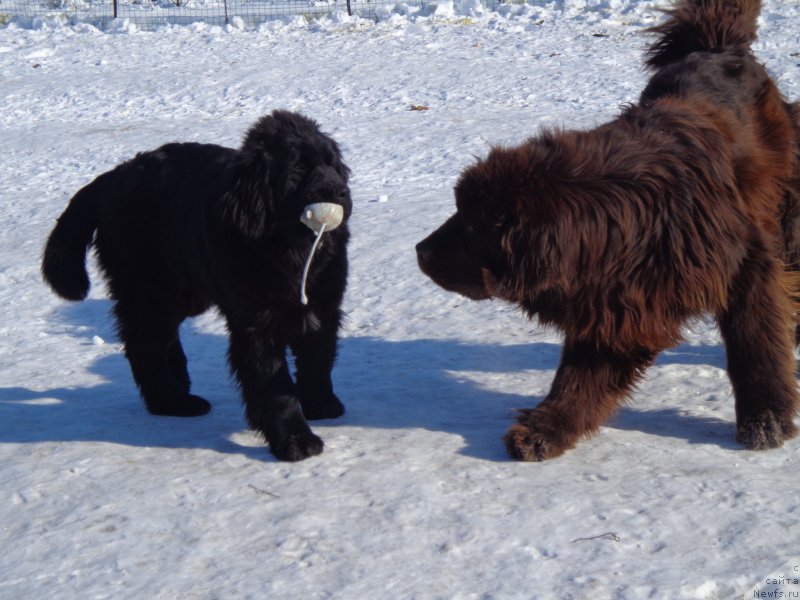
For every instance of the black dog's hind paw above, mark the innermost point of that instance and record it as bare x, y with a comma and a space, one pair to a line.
297, 447
764, 431
188, 406
331, 408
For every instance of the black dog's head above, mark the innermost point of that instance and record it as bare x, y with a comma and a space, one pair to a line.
285, 164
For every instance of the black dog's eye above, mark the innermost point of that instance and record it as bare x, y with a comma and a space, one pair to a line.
295, 174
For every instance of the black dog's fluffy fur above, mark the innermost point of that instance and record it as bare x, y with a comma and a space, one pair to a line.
189, 226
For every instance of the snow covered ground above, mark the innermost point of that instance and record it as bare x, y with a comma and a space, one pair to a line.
414, 496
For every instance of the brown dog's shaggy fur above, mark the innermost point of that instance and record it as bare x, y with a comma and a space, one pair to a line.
684, 205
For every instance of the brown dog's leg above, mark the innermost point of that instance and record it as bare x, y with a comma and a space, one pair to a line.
588, 388
758, 331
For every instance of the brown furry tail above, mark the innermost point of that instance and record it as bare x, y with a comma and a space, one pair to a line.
703, 25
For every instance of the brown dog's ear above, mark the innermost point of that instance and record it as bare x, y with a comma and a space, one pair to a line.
248, 204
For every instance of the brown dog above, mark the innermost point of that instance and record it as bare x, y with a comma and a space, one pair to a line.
684, 205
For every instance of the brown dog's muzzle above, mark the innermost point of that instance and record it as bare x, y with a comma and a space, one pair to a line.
445, 258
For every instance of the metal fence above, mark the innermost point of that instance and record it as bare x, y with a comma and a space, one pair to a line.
150, 14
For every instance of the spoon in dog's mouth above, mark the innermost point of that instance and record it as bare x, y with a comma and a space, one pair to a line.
319, 217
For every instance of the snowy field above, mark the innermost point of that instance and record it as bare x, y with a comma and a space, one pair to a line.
414, 497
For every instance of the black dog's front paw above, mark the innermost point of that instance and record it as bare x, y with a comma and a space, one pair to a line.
187, 406
330, 408
296, 446
281, 422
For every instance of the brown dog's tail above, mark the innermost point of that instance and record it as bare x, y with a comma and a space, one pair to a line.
703, 26
64, 261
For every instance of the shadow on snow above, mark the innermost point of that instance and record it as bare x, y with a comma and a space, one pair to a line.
437, 385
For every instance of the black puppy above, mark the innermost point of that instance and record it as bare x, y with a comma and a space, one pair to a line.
189, 226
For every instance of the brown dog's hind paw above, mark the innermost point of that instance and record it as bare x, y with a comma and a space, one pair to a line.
764, 431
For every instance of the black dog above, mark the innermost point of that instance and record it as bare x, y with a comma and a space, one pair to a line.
189, 226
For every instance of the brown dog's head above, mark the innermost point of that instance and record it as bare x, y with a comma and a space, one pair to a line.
463, 254
529, 218
472, 253
452, 257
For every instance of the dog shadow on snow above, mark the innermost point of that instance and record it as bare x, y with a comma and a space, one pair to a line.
436, 385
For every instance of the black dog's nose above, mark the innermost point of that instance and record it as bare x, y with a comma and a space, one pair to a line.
341, 196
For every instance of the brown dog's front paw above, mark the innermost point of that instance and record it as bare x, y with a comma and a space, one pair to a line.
528, 444
764, 431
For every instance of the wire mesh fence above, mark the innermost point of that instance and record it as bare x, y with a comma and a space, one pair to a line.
149, 14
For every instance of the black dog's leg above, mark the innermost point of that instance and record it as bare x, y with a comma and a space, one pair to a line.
157, 361
758, 331
177, 365
271, 405
315, 353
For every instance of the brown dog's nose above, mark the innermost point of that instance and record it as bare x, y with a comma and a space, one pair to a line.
424, 252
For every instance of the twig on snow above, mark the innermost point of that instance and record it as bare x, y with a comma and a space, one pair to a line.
610, 535
263, 492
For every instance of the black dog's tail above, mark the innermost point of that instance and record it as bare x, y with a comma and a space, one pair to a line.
703, 25
64, 262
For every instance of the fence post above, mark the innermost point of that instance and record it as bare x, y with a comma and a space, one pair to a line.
349, 12
115, 9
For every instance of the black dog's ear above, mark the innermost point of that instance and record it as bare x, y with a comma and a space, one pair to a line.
248, 204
